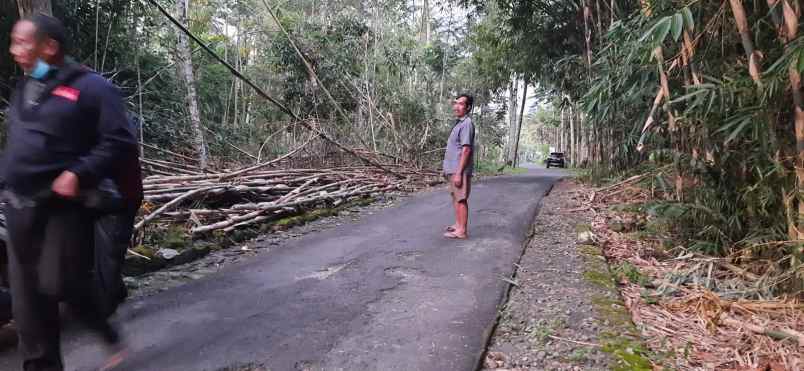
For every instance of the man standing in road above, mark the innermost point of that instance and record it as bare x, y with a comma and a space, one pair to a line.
459, 165
67, 130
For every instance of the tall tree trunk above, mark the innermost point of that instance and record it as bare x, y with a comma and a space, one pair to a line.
31, 7
580, 158
141, 117
521, 116
247, 101
186, 66
612, 8
587, 14
441, 81
745, 36
560, 138
671, 120
368, 100
97, 31
581, 149
557, 140
512, 111
611, 148
573, 146
599, 22
687, 52
598, 140
584, 143
590, 130
791, 14
237, 83
576, 143
426, 21
562, 118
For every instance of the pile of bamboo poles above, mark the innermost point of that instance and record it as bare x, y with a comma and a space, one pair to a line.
227, 201
179, 191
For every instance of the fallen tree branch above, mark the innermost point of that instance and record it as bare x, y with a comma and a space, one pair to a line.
264, 217
265, 142
179, 155
773, 334
170, 204
632, 179
230, 144
272, 206
266, 164
574, 341
167, 168
132, 252
738, 270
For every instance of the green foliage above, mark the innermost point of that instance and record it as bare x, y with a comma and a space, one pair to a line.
631, 273
176, 238
729, 142
630, 356
487, 167
670, 25
393, 84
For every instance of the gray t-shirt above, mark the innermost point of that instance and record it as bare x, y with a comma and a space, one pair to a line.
463, 134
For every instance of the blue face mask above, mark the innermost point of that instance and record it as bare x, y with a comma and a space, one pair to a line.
40, 70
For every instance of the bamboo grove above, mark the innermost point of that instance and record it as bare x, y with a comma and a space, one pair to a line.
706, 95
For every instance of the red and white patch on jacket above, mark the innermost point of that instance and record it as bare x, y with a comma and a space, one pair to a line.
67, 92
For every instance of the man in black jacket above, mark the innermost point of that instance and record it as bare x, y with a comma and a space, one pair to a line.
67, 131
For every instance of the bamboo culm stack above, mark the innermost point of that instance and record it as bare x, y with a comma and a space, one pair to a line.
209, 201
223, 201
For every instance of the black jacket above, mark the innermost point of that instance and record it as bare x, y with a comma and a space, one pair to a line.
78, 123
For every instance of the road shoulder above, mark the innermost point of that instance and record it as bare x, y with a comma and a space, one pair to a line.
563, 312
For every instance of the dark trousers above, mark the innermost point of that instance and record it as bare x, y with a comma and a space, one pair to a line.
50, 260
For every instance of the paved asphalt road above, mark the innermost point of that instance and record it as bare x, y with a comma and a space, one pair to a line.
385, 293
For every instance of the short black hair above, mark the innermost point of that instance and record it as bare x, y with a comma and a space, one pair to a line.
52, 28
470, 101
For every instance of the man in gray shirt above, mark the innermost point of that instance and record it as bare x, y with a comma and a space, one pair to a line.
459, 165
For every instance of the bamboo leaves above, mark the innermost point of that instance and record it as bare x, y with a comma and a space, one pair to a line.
692, 85
689, 21
659, 31
677, 26
793, 55
670, 25
800, 65
735, 126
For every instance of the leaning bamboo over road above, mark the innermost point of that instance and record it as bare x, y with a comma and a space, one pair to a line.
307, 125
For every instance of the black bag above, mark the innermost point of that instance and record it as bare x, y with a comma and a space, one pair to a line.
112, 238
5, 306
103, 199
113, 227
